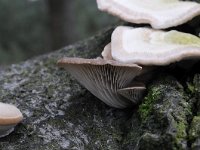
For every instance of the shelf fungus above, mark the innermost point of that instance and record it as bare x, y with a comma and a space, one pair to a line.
160, 14
108, 80
118, 78
149, 47
10, 116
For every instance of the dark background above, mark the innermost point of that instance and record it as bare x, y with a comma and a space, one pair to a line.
32, 27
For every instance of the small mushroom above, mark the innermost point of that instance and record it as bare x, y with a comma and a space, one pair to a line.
10, 116
103, 78
160, 14
145, 46
134, 93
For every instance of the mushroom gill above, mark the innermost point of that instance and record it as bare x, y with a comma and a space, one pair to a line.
160, 14
145, 46
10, 116
103, 78
134, 93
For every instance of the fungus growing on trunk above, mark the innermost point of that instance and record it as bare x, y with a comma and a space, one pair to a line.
104, 78
145, 46
113, 79
160, 14
10, 116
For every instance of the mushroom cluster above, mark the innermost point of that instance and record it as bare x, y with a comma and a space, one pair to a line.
132, 52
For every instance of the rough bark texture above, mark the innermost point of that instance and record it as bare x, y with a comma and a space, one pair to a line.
60, 114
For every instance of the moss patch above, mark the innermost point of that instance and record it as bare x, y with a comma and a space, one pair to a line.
147, 106
181, 131
194, 131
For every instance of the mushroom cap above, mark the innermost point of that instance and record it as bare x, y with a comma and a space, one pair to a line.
144, 46
102, 77
9, 115
160, 14
106, 53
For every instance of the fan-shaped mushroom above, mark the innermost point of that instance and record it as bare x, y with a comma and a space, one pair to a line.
10, 116
144, 46
160, 14
103, 78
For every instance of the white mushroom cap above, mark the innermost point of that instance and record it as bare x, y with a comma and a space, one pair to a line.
9, 114
160, 14
146, 46
102, 77
9, 117
106, 53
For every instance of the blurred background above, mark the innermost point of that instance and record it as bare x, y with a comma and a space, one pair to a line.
32, 27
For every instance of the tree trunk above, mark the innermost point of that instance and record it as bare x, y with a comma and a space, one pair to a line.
61, 22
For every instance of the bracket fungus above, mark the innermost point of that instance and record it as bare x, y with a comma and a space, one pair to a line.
160, 14
106, 79
145, 46
10, 116
114, 78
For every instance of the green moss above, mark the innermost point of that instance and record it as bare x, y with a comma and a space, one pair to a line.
181, 135
181, 130
146, 107
194, 86
191, 88
194, 131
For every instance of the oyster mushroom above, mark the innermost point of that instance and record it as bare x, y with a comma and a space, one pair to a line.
10, 116
134, 93
103, 78
145, 46
160, 14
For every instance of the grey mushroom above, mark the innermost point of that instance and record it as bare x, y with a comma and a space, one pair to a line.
106, 79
